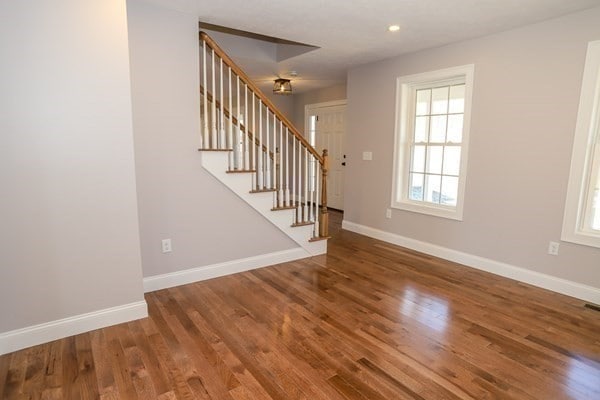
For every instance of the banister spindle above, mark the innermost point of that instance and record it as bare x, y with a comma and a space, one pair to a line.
268, 163
294, 181
317, 213
213, 108
205, 133
280, 179
324, 217
236, 145
222, 120
287, 169
306, 183
246, 133
259, 173
254, 181
230, 133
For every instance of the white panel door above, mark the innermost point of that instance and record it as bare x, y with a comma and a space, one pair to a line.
329, 123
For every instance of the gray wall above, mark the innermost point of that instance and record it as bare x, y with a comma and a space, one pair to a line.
526, 94
69, 241
177, 198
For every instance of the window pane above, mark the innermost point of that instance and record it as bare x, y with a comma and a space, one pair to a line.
449, 190
438, 129
455, 128
434, 159
418, 159
593, 210
421, 129
451, 160
439, 100
423, 99
432, 188
457, 99
415, 191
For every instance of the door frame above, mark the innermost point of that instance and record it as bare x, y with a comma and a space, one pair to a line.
308, 107
314, 106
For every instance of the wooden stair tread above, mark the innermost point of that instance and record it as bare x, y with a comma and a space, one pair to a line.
318, 238
215, 149
240, 171
283, 208
302, 224
263, 190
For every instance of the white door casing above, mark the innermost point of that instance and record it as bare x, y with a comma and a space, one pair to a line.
325, 127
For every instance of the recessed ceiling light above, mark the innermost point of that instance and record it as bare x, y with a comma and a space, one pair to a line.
394, 28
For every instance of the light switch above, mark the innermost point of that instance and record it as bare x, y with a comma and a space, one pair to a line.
367, 155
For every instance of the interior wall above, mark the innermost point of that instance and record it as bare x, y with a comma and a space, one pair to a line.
526, 94
332, 93
177, 198
69, 242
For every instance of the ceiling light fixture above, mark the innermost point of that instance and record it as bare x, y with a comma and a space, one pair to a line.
282, 86
394, 28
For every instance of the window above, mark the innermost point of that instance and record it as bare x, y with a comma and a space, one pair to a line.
581, 222
432, 132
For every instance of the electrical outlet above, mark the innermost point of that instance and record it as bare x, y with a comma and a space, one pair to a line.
553, 248
367, 155
388, 213
166, 246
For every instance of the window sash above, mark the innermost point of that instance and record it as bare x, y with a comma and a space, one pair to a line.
405, 140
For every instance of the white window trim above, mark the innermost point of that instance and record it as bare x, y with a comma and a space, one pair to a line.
588, 119
404, 86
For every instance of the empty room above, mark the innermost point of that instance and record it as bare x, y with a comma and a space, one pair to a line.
378, 200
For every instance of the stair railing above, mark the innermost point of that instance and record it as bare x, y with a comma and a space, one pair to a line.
238, 118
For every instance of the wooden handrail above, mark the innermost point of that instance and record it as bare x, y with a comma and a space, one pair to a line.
238, 71
234, 121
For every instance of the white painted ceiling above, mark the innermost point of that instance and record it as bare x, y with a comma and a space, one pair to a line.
354, 32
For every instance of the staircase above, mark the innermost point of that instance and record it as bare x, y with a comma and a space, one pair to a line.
253, 149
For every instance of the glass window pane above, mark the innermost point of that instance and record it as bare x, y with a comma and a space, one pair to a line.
457, 99
423, 99
593, 209
434, 159
439, 100
415, 191
449, 190
455, 128
432, 188
421, 129
418, 159
451, 160
438, 129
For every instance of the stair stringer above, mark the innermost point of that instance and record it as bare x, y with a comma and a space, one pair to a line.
215, 162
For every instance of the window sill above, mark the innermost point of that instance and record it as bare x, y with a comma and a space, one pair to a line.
453, 213
586, 239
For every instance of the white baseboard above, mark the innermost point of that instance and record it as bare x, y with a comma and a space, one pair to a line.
559, 285
49, 331
191, 275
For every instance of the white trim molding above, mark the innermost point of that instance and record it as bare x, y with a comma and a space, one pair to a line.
53, 330
559, 285
583, 177
192, 275
406, 91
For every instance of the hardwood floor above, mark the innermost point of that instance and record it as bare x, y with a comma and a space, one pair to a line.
368, 321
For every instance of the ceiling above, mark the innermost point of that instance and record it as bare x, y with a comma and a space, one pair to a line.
350, 33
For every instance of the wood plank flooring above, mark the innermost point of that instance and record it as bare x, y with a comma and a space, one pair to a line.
368, 321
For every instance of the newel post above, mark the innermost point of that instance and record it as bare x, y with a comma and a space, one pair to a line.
324, 216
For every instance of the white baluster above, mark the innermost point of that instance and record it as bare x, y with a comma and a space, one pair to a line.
259, 173
268, 159
246, 133
222, 124
236, 148
317, 180
255, 181
281, 198
287, 201
205, 143
306, 183
213, 109
230, 133
294, 200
